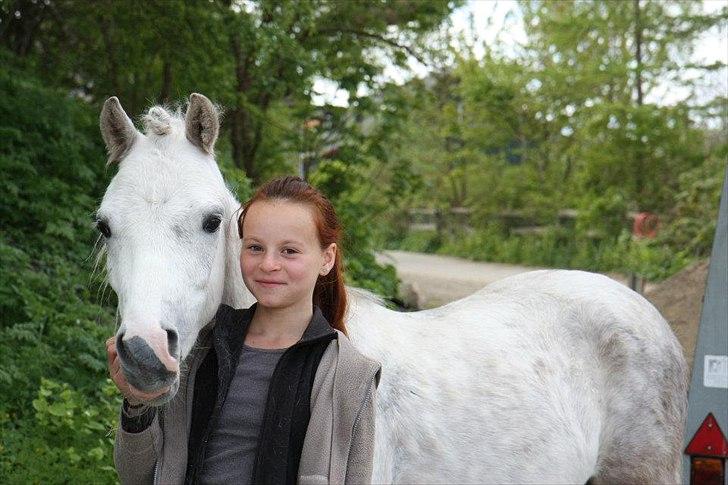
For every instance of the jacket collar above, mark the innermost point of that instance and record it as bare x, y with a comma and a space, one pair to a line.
317, 327
231, 326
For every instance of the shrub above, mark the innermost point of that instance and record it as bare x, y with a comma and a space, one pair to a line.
55, 408
346, 188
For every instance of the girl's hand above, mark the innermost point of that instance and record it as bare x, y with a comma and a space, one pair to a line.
133, 396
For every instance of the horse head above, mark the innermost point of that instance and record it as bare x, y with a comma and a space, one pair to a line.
168, 225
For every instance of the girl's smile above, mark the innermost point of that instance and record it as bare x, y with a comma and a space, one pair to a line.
270, 284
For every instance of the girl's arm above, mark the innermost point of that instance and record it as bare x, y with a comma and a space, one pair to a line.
138, 444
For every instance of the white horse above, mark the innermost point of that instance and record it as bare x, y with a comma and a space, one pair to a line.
545, 377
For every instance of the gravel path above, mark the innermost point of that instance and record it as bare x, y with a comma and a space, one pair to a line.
431, 280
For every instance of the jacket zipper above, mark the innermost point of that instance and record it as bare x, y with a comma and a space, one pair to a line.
160, 417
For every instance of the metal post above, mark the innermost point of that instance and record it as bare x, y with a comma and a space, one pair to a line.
709, 383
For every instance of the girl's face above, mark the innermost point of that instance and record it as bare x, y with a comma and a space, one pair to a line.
281, 256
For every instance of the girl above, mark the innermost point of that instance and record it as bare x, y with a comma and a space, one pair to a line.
274, 393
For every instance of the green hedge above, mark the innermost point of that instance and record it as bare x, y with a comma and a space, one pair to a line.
57, 407
557, 248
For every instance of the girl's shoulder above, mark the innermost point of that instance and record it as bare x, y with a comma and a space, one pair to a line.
353, 366
345, 381
342, 403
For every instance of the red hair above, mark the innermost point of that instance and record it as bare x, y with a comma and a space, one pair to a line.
329, 293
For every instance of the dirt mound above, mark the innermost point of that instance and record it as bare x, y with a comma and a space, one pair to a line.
680, 300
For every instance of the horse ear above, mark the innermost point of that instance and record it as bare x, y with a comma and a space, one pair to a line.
202, 123
117, 129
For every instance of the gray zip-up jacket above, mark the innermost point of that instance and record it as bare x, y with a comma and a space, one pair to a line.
339, 442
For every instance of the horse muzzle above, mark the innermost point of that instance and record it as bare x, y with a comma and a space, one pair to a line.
150, 362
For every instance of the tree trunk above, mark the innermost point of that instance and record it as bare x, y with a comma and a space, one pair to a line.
240, 141
640, 155
18, 33
306, 167
249, 114
105, 28
165, 92
638, 52
240, 133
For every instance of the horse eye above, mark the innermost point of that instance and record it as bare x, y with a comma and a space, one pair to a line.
211, 223
103, 228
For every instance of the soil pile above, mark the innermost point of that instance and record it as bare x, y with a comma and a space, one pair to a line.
680, 300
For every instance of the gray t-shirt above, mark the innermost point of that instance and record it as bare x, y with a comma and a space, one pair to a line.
234, 441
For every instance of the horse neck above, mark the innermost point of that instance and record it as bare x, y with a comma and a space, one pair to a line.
234, 292
372, 328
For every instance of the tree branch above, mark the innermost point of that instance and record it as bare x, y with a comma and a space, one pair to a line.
377, 37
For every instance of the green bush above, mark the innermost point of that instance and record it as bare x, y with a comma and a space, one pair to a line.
692, 223
69, 436
346, 188
557, 248
416, 241
56, 406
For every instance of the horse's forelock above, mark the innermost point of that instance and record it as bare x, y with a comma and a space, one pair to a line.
162, 121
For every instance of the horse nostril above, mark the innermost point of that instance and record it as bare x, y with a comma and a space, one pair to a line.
172, 342
120, 346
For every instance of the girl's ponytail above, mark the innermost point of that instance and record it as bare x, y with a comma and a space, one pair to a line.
330, 295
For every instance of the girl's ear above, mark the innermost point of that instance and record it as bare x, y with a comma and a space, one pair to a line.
329, 259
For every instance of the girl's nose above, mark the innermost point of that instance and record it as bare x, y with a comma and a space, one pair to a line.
270, 263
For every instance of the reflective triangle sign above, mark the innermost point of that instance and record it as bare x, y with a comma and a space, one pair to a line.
708, 440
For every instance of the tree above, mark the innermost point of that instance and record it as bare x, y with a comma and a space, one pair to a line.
596, 65
256, 58
573, 120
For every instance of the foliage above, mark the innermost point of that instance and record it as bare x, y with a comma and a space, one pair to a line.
344, 187
70, 436
418, 242
557, 248
52, 329
572, 121
603, 214
258, 58
693, 219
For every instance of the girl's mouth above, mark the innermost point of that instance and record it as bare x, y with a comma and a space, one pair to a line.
270, 283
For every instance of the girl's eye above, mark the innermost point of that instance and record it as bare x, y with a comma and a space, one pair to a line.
254, 247
289, 251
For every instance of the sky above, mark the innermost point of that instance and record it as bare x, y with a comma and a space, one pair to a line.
500, 21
